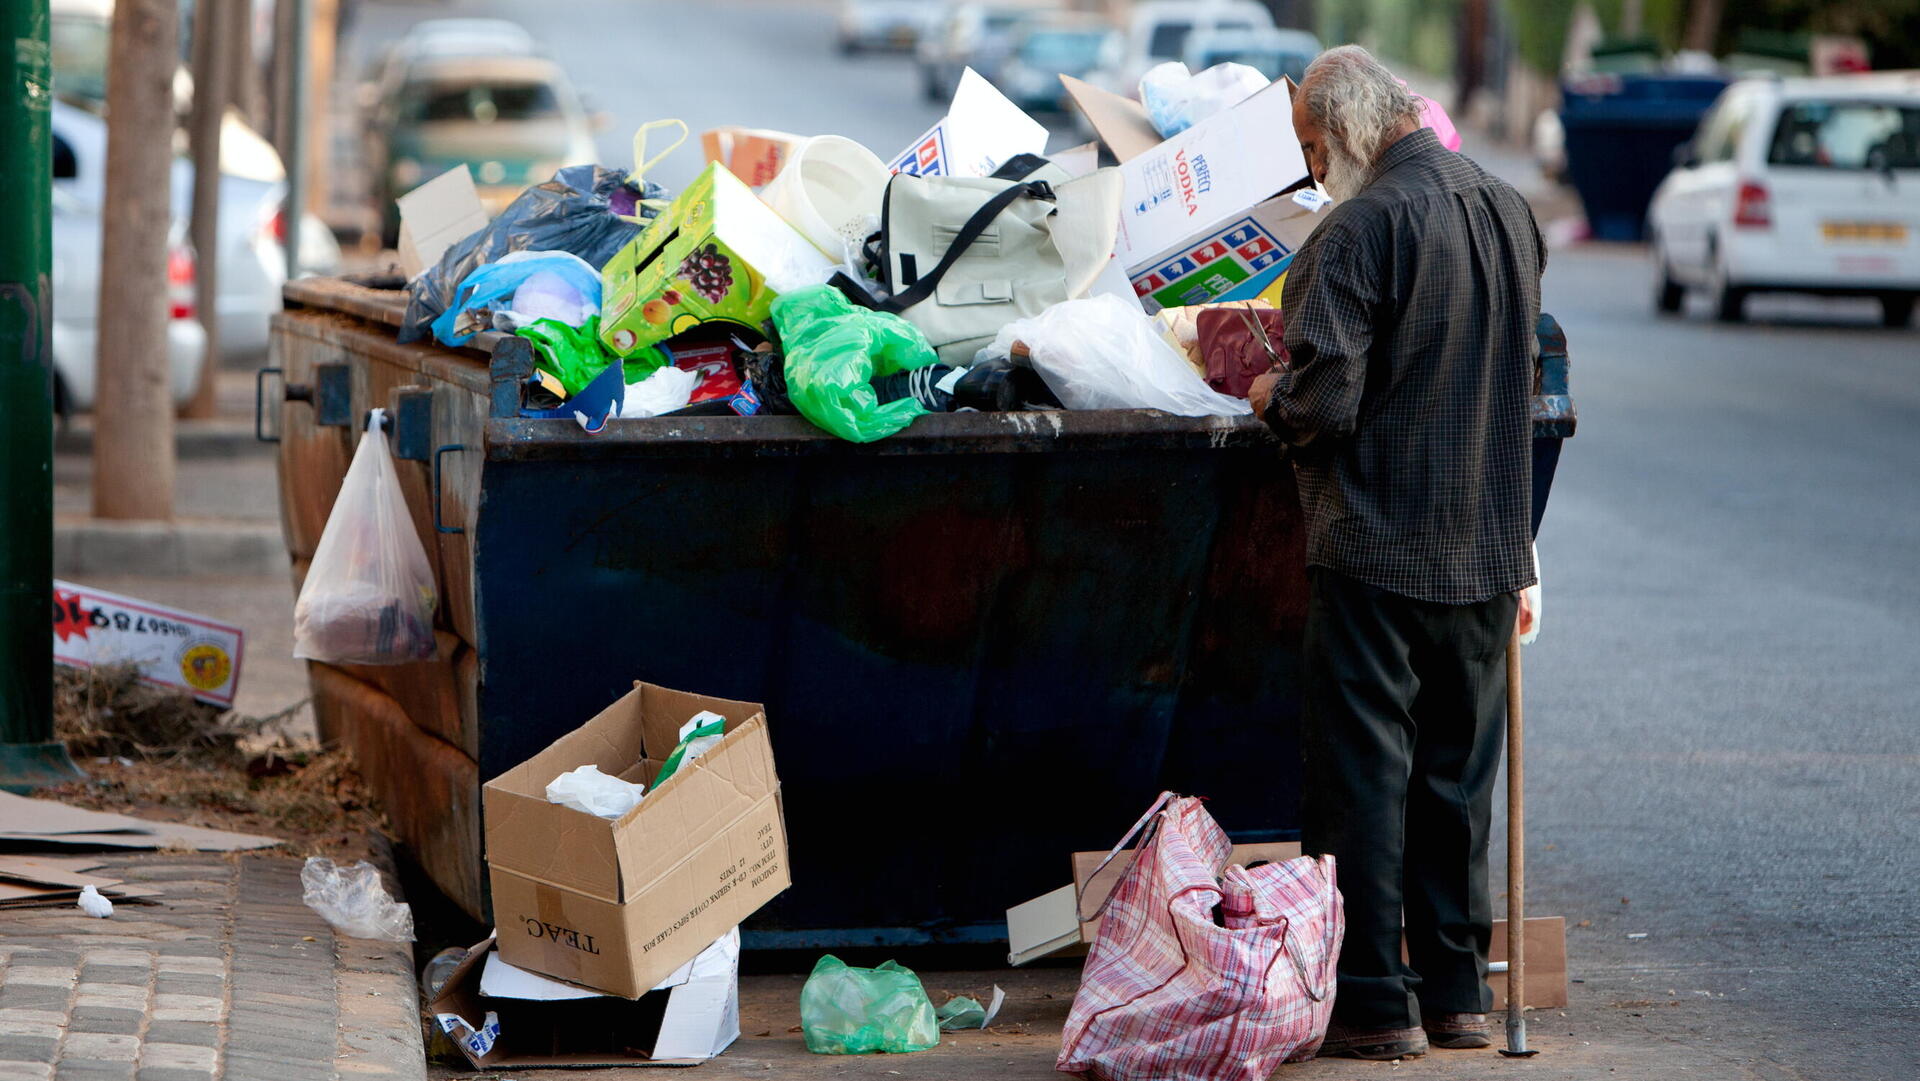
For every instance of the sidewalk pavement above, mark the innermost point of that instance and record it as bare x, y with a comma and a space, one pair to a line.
229, 976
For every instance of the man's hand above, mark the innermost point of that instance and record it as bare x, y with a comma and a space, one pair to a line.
1261, 393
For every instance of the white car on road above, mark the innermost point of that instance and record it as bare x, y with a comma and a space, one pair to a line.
1796, 185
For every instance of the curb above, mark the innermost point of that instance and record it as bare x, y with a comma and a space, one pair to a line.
379, 999
219, 438
183, 548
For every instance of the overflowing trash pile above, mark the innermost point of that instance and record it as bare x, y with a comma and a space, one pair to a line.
971, 271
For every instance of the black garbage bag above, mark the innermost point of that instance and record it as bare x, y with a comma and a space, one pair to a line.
581, 210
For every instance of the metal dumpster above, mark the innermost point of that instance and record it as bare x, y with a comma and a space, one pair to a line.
1621, 131
984, 643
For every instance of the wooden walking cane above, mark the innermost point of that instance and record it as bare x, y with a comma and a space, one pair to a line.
1516, 861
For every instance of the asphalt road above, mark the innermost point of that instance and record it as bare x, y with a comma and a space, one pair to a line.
1723, 748
1723, 752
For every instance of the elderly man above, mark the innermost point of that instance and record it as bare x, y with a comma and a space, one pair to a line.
1410, 323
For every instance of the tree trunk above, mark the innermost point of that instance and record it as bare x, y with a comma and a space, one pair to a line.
133, 413
210, 96
1703, 25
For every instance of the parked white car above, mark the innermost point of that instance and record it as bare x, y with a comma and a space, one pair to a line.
1159, 30
251, 256
1796, 185
76, 307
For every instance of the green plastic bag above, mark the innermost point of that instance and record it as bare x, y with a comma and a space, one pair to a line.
710, 732
858, 1011
574, 355
834, 350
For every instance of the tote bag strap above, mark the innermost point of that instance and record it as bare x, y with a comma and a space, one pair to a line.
1153, 812
970, 232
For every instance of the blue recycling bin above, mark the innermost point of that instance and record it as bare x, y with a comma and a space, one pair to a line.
1621, 131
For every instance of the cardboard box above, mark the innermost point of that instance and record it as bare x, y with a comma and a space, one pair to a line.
755, 155
503, 1017
1050, 925
1546, 942
717, 253
1249, 250
436, 215
618, 905
1214, 206
981, 132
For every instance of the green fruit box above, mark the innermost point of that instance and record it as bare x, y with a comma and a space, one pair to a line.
717, 253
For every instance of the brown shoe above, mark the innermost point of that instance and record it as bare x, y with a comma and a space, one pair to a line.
1380, 1045
1458, 1031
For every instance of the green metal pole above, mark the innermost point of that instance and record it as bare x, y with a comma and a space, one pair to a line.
28, 755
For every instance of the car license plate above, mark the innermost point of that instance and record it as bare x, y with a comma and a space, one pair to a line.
1864, 232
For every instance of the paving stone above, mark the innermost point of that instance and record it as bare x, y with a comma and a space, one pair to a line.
109, 1019
72, 1069
54, 1017
178, 1057
211, 986
130, 958
192, 966
100, 1047
126, 974
27, 1048
25, 1071
32, 997
166, 1073
52, 1030
20, 974
197, 1033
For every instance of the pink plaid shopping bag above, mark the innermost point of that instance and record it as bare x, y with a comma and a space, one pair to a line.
1203, 971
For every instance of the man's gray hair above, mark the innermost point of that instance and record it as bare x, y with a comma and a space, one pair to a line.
1355, 99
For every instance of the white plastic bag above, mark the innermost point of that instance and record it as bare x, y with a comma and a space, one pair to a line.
354, 901
596, 793
663, 391
93, 904
1103, 353
1177, 99
369, 595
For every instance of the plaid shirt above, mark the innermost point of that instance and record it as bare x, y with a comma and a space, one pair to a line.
1410, 322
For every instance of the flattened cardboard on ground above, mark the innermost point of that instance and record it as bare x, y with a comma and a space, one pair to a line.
26, 822
618, 905
1051, 925
693, 1016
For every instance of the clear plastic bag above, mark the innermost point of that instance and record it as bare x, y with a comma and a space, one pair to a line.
369, 594
1177, 99
590, 791
354, 901
1103, 353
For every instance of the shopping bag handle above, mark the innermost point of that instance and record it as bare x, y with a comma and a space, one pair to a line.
642, 163
1326, 946
1079, 903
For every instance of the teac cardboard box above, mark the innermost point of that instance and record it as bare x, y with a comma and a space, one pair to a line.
619, 905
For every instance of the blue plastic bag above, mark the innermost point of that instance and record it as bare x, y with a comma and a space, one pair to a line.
493, 286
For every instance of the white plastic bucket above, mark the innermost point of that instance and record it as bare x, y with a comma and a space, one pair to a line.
829, 184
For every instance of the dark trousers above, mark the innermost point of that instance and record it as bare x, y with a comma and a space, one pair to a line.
1403, 730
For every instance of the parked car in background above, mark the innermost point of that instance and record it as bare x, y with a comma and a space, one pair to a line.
250, 232
1796, 185
895, 25
1273, 53
1052, 45
76, 296
1159, 30
977, 36
511, 116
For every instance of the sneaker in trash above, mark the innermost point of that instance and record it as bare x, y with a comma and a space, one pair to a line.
1459, 1031
1378, 1045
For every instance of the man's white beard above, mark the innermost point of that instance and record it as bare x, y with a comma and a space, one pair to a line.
1347, 176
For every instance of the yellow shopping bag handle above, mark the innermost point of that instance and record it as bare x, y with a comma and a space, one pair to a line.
642, 163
